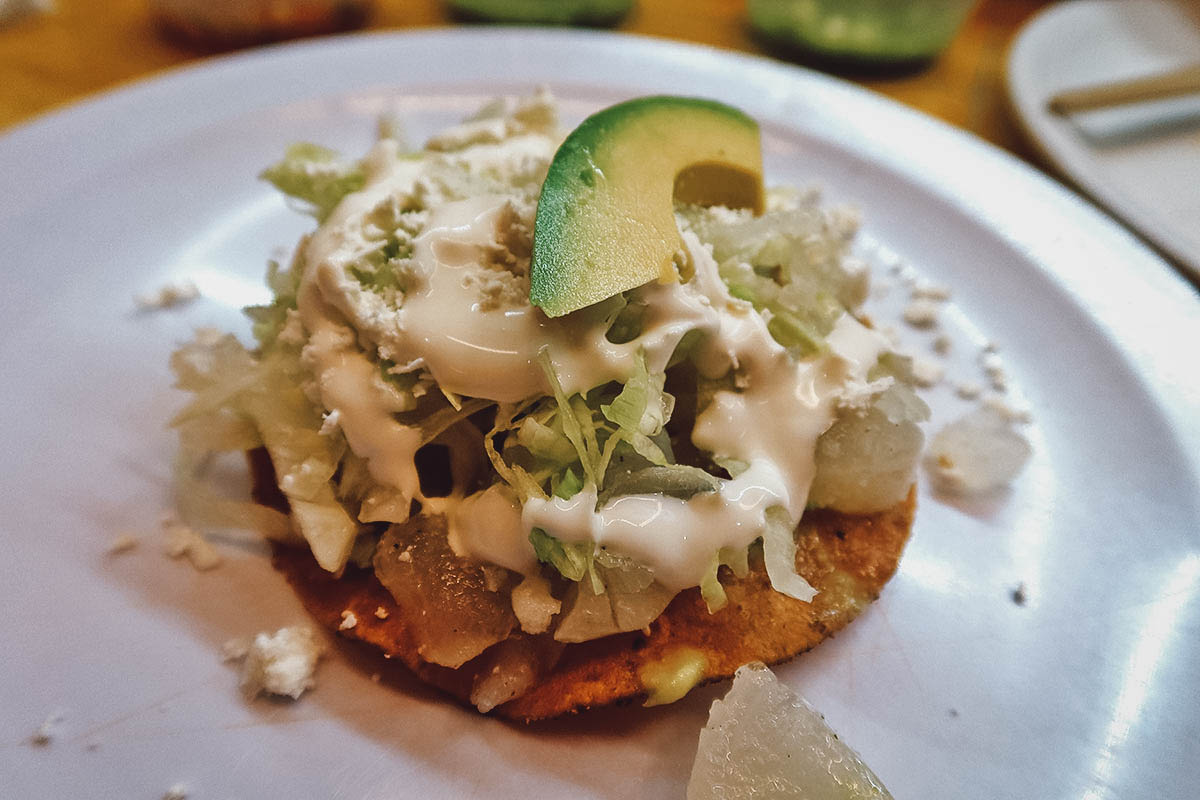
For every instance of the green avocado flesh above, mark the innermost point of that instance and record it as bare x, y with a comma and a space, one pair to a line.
606, 221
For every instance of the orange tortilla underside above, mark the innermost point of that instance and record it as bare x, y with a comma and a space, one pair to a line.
848, 558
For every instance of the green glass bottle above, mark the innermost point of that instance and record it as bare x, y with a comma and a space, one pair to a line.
597, 13
866, 32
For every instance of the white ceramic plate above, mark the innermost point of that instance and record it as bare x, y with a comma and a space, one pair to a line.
1141, 161
946, 686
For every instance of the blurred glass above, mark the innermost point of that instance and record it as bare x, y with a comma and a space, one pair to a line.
235, 23
860, 31
542, 12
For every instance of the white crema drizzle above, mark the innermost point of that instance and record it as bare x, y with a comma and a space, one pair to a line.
772, 424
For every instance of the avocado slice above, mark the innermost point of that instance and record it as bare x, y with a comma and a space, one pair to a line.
605, 219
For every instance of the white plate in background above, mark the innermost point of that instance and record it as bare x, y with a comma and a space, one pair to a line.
946, 686
1141, 161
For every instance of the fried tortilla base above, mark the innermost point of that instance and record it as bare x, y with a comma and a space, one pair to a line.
847, 558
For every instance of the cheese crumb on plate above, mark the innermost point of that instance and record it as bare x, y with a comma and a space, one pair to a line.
122, 543
167, 296
283, 663
45, 732
176, 792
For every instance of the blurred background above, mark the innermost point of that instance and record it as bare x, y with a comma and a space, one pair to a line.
56, 51
1009, 71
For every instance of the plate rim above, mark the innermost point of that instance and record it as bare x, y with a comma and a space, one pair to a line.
1040, 245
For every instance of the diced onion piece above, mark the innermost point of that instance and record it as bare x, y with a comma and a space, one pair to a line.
533, 604
764, 740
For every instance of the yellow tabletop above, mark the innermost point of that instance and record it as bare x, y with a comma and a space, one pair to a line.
85, 46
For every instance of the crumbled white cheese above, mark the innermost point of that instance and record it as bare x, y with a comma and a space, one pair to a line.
930, 291
921, 313
208, 337
381, 612
926, 373
999, 405
857, 282
176, 792
844, 221
235, 649
943, 344
858, 394
329, 425
993, 367
167, 296
182, 540
282, 663
977, 453
292, 332
907, 275
122, 543
501, 120
349, 620
891, 334
968, 390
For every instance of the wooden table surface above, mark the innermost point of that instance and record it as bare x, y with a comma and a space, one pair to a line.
85, 46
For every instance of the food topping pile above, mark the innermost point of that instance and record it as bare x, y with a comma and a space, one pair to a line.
694, 376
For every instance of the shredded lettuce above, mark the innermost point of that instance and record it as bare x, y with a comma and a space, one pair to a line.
595, 426
792, 263
627, 323
567, 485
269, 319
316, 176
573, 561
546, 442
202, 507
738, 560
794, 333
573, 427
639, 412
513, 474
779, 556
234, 391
